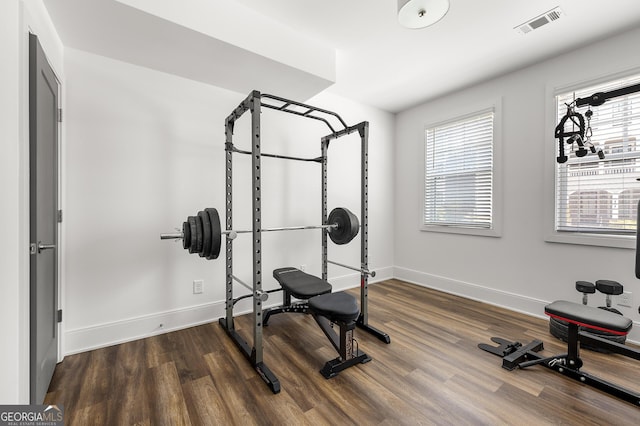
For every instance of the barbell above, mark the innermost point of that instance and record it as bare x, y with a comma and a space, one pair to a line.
202, 233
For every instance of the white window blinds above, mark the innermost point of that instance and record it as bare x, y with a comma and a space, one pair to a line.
459, 173
601, 196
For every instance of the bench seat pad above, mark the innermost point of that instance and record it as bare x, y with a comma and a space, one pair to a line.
335, 306
588, 316
300, 284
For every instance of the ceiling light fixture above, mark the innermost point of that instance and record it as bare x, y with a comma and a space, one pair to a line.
421, 13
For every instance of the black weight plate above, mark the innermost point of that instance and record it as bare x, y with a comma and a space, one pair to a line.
193, 231
199, 237
186, 235
216, 233
348, 225
560, 329
206, 234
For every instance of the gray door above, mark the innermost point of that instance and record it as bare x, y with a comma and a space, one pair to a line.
43, 198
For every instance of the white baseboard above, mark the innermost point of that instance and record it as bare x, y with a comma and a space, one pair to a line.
113, 333
514, 302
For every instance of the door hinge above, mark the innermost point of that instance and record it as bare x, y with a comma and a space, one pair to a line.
59, 216
59, 315
59, 115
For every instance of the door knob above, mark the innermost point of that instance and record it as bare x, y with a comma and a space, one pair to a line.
40, 246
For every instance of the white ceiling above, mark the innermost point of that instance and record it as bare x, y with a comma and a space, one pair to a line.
355, 48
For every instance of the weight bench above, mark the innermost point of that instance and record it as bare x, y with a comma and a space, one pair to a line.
298, 284
327, 308
515, 354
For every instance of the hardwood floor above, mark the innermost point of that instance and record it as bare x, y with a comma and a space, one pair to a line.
431, 373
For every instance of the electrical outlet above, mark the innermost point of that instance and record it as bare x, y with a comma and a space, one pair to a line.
625, 299
303, 268
198, 286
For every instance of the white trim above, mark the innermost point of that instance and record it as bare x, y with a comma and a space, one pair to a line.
617, 241
503, 299
461, 230
602, 78
491, 296
467, 112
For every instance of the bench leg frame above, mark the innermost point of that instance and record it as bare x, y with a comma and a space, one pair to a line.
515, 355
343, 344
297, 308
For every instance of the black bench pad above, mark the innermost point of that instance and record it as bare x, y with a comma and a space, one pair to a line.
301, 285
335, 306
588, 316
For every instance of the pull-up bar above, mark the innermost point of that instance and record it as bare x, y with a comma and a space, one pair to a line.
286, 103
599, 98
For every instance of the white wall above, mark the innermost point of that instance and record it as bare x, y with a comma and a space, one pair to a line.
145, 150
519, 270
17, 18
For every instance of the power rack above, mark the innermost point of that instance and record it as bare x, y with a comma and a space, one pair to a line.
338, 128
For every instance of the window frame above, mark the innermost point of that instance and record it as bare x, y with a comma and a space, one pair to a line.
599, 239
494, 106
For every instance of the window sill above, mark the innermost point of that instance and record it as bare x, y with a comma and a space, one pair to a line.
464, 231
616, 241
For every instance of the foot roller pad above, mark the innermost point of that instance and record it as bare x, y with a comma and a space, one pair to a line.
609, 287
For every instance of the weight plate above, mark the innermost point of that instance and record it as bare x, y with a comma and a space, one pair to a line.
206, 234
348, 225
193, 232
197, 241
216, 233
186, 235
560, 329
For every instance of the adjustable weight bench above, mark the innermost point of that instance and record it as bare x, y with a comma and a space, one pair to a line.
327, 308
298, 284
515, 354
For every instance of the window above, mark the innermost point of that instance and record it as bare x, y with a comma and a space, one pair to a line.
596, 196
459, 173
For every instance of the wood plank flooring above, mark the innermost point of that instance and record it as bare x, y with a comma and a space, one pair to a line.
431, 373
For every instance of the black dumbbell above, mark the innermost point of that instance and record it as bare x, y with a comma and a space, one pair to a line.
586, 288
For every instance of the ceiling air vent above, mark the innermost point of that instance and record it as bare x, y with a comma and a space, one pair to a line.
535, 23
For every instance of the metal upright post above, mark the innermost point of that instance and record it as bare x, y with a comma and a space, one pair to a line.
364, 212
229, 221
253, 354
363, 319
257, 221
325, 145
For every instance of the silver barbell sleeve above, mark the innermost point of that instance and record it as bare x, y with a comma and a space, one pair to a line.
172, 236
353, 268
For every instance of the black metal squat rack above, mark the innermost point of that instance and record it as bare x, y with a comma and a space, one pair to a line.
253, 103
